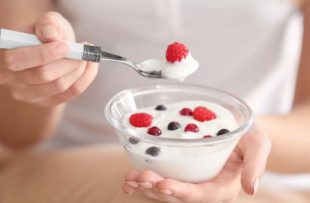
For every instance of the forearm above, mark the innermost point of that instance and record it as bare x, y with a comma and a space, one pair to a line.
23, 124
290, 137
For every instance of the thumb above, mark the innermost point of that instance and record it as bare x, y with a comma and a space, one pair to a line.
51, 26
255, 148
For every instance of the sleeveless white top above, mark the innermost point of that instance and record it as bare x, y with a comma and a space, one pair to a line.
250, 48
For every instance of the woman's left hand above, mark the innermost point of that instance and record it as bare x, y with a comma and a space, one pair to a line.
244, 168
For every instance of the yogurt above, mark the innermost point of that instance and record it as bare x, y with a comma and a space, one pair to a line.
179, 63
193, 164
180, 70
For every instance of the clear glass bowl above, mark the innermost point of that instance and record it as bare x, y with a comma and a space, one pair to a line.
192, 160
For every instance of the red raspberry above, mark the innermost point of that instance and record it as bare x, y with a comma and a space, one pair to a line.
207, 136
141, 120
191, 128
186, 112
203, 114
176, 52
154, 131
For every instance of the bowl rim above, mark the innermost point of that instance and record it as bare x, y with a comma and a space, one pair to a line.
176, 141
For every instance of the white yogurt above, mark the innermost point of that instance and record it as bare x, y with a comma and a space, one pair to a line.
177, 70
162, 118
193, 164
180, 70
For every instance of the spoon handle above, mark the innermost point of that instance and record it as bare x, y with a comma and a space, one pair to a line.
10, 39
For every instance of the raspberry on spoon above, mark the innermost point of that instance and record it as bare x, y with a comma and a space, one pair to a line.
176, 52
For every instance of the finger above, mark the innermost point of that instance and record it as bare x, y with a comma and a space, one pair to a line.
147, 179
256, 149
55, 87
205, 192
131, 184
150, 193
53, 26
128, 189
76, 89
185, 191
46, 73
28, 57
134, 179
132, 175
131, 179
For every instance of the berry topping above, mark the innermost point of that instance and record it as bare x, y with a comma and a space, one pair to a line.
176, 52
207, 136
154, 131
203, 114
186, 112
173, 125
153, 151
222, 132
133, 140
161, 108
191, 128
140, 120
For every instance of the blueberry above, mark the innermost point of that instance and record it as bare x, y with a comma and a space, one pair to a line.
173, 125
153, 151
222, 132
133, 140
161, 108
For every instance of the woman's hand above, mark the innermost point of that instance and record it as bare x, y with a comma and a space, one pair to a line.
39, 74
246, 165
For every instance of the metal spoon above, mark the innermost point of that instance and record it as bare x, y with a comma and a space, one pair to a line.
141, 68
10, 39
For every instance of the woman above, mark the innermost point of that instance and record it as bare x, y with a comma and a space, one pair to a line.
249, 48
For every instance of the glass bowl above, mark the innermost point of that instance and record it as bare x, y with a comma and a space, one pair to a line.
192, 160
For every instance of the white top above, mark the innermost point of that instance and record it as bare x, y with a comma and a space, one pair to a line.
250, 48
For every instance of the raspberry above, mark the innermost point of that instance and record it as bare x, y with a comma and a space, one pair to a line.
186, 112
154, 131
141, 120
176, 52
203, 114
191, 128
207, 136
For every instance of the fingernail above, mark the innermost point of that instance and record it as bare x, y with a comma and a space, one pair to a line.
256, 186
49, 31
129, 191
166, 192
146, 185
62, 49
132, 184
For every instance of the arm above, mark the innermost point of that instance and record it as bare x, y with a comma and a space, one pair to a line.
290, 134
290, 140
36, 82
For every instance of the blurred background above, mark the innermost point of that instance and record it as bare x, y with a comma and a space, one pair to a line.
251, 48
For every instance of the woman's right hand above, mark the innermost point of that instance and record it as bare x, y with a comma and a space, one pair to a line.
40, 74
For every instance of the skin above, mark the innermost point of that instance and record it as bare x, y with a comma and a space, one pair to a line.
36, 82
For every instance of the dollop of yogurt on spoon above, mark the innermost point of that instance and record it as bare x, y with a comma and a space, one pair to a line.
179, 63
